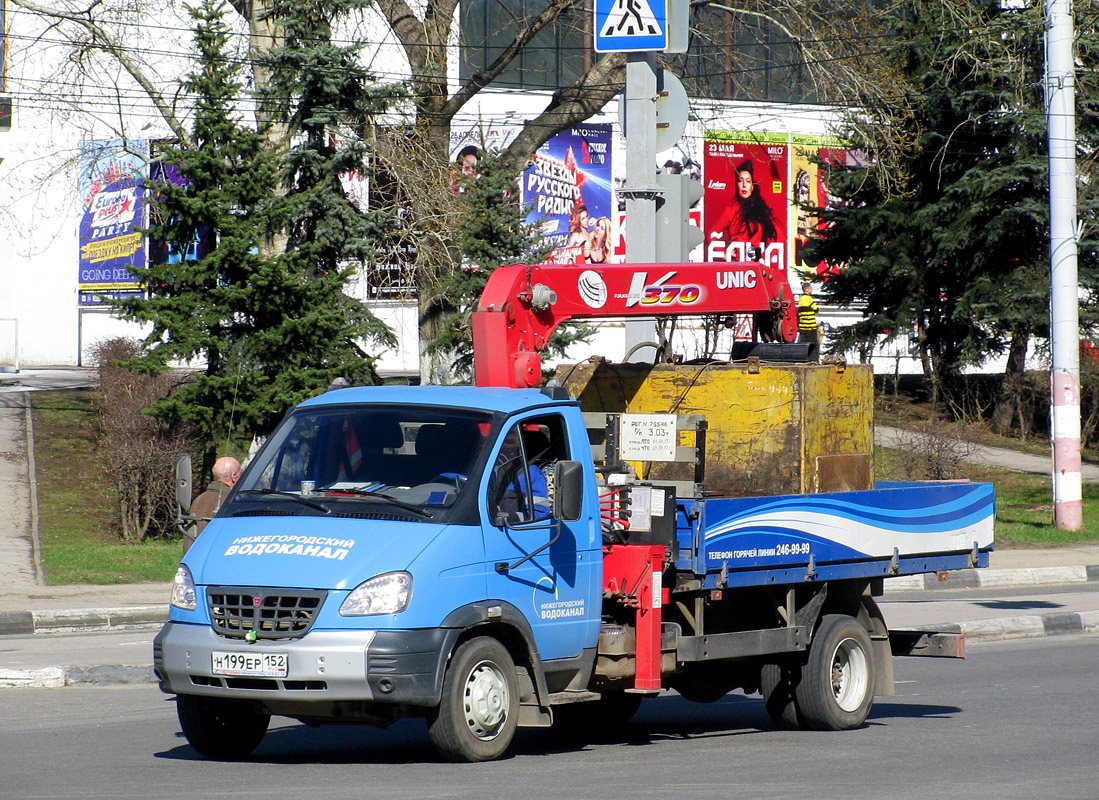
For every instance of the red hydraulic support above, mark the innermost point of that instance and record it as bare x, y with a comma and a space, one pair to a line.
632, 576
522, 304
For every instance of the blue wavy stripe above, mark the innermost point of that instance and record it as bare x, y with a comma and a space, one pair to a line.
910, 510
821, 547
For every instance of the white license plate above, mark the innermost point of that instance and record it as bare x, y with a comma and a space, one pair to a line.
258, 665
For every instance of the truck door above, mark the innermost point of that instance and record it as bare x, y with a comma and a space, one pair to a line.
556, 588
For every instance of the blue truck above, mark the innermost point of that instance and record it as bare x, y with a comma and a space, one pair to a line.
400, 581
488, 557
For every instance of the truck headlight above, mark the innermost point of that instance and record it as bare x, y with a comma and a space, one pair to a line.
383, 594
183, 590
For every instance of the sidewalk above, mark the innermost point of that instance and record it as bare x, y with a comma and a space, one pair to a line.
991, 456
49, 646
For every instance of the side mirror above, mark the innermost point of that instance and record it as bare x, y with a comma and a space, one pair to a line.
568, 490
183, 483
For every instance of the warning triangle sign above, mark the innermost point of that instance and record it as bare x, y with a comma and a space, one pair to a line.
631, 18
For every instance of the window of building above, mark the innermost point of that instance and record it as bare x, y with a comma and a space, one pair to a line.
732, 56
556, 57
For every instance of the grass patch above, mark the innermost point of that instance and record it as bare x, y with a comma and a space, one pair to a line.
77, 523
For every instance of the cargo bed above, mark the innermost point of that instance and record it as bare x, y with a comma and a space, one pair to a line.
893, 529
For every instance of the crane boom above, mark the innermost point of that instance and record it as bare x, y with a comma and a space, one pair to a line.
522, 304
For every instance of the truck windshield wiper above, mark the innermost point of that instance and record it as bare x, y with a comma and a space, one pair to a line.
290, 495
370, 494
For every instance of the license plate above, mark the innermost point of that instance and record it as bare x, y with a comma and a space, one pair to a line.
257, 665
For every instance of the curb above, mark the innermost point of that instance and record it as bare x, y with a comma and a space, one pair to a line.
56, 677
1026, 626
123, 617
993, 578
84, 619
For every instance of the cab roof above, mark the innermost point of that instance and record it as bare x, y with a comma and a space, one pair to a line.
485, 398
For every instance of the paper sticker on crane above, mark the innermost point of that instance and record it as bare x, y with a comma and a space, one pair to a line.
628, 26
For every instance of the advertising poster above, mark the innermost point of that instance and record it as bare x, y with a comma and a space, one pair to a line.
568, 191
467, 145
810, 187
746, 203
161, 252
111, 243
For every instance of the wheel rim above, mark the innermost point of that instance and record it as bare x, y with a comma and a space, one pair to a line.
486, 701
850, 675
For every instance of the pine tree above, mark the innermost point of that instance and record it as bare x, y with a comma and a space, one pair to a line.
959, 251
272, 329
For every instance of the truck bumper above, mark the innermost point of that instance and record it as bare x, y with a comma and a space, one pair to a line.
400, 667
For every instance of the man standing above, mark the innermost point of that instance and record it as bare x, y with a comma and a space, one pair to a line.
226, 473
807, 316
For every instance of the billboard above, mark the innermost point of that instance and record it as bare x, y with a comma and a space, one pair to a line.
810, 187
746, 204
160, 251
111, 185
568, 191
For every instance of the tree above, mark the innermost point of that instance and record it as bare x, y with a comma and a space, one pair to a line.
271, 329
958, 250
492, 232
832, 51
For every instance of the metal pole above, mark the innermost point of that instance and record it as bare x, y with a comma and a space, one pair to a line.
1063, 306
641, 189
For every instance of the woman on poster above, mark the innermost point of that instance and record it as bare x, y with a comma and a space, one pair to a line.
579, 236
747, 219
598, 249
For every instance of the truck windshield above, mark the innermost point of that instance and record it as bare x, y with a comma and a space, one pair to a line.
408, 460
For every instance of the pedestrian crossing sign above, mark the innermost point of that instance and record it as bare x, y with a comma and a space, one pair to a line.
629, 26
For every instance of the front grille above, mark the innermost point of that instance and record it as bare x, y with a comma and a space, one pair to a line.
271, 613
262, 684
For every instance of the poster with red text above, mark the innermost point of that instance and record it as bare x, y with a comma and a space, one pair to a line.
747, 200
568, 191
112, 191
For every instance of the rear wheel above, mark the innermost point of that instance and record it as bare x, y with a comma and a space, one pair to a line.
221, 728
837, 687
477, 716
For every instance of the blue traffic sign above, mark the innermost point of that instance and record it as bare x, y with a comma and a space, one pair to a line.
629, 26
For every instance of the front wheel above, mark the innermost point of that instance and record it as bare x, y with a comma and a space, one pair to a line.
478, 712
837, 686
221, 728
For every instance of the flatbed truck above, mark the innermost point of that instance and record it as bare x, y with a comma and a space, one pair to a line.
505, 555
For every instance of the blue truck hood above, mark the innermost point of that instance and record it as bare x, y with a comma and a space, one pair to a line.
304, 552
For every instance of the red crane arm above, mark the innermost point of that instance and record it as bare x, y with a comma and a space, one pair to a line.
522, 304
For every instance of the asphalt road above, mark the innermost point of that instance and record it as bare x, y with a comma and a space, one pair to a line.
1015, 720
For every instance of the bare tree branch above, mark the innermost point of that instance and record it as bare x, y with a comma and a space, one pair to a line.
104, 41
570, 105
553, 10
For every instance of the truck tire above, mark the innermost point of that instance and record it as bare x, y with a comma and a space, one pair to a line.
778, 683
477, 715
221, 728
837, 686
